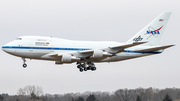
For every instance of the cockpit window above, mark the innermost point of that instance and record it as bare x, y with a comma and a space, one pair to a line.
19, 39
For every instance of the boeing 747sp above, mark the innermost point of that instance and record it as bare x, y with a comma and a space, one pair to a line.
86, 53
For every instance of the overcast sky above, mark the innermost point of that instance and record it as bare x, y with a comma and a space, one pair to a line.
95, 20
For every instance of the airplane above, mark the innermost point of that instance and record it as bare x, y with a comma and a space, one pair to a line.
86, 53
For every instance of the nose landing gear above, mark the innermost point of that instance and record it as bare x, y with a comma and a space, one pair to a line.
24, 62
24, 65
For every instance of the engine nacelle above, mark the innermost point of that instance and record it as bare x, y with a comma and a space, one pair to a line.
66, 58
98, 54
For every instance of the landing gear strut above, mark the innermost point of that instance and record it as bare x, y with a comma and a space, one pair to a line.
86, 66
24, 62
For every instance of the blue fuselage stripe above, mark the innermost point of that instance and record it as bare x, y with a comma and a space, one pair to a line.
70, 49
44, 48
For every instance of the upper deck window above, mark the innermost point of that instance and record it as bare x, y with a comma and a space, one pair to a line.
19, 39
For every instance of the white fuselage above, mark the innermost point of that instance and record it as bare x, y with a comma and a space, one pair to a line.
38, 47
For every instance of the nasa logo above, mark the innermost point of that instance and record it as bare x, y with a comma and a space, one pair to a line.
153, 32
137, 39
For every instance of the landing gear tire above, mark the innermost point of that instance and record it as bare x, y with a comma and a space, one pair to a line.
85, 69
89, 68
24, 65
24, 62
93, 68
80, 69
79, 66
84, 66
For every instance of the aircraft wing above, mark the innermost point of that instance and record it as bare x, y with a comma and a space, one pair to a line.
98, 53
155, 48
86, 51
118, 49
107, 52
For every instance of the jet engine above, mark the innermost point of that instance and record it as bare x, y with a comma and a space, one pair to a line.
98, 54
66, 58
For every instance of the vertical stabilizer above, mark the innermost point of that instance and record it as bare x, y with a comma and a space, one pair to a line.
152, 33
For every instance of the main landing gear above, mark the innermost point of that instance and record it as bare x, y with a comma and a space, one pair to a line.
86, 66
24, 62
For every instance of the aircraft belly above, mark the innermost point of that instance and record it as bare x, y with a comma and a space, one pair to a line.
26, 53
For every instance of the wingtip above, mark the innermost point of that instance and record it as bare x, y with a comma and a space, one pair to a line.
171, 45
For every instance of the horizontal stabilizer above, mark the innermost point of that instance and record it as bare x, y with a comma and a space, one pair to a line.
154, 49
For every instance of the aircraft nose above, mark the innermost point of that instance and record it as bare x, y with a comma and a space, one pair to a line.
4, 47
7, 46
